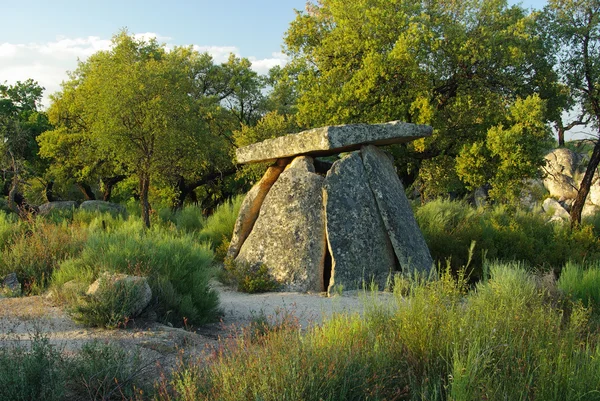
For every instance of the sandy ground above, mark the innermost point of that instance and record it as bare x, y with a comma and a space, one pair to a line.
20, 318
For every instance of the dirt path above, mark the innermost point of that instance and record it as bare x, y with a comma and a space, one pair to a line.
21, 317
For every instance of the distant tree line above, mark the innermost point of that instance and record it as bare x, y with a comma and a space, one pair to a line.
492, 80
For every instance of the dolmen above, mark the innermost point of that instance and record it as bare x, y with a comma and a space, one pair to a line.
319, 225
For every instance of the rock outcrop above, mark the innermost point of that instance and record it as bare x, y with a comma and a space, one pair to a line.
289, 233
561, 168
102, 206
49, 207
356, 234
10, 286
139, 292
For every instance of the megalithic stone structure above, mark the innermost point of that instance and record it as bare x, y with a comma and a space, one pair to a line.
347, 227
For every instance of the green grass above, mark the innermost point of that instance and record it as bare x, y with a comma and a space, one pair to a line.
502, 233
502, 340
582, 282
178, 268
40, 371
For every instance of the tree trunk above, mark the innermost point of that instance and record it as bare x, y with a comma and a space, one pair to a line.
88, 194
49, 192
561, 136
108, 184
584, 187
144, 187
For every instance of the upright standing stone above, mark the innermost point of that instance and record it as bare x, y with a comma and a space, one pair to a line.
360, 249
398, 218
289, 234
250, 207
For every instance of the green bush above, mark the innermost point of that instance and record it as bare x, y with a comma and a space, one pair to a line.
250, 278
189, 219
178, 268
219, 225
499, 341
104, 372
34, 253
37, 373
581, 283
10, 226
42, 372
502, 233
111, 306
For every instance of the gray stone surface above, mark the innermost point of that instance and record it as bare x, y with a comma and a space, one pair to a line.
358, 242
331, 140
47, 208
561, 178
553, 207
250, 208
403, 230
102, 206
289, 234
143, 294
10, 286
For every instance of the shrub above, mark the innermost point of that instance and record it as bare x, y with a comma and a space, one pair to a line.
31, 374
42, 372
104, 372
219, 225
499, 341
177, 266
10, 226
502, 233
35, 253
250, 278
581, 282
111, 305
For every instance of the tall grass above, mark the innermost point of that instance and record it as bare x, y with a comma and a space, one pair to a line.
219, 225
40, 371
36, 249
449, 227
582, 282
499, 341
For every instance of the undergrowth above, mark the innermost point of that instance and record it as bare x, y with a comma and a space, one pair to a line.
501, 340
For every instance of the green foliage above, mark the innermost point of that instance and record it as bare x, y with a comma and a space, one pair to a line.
248, 277
104, 371
36, 251
41, 372
177, 266
457, 66
503, 233
219, 225
111, 306
35, 374
509, 155
9, 227
499, 341
581, 282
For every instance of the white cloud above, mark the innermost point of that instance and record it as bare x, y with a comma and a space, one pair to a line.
48, 62
220, 54
262, 66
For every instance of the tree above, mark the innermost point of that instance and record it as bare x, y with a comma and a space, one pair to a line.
576, 26
449, 64
512, 151
20, 124
133, 106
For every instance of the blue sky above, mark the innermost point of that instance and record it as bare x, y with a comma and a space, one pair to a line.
42, 39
